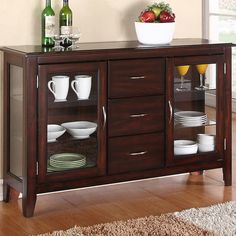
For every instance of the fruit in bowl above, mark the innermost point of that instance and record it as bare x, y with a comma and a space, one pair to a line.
156, 24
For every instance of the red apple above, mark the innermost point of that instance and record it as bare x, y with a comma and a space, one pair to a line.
166, 16
147, 16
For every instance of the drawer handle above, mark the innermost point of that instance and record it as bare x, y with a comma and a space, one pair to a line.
171, 111
137, 77
104, 116
138, 115
138, 153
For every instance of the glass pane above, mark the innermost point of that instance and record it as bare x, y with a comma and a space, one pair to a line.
222, 6
72, 121
194, 109
234, 73
16, 120
223, 29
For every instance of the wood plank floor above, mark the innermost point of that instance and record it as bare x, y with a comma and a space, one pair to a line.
118, 202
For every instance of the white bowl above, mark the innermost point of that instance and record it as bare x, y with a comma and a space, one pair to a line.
206, 147
54, 132
80, 129
206, 139
154, 33
185, 147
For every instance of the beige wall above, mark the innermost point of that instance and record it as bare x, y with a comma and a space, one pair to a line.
98, 20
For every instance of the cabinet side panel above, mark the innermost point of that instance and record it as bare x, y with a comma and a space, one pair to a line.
1, 112
16, 120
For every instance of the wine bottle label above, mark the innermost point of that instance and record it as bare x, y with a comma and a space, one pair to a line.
50, 23
66, 30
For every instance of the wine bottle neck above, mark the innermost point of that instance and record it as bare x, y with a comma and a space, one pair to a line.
65, 2
48, 3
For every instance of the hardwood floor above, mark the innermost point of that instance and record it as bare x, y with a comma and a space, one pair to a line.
118, 202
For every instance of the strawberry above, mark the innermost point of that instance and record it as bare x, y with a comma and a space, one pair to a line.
147, 16
167, 17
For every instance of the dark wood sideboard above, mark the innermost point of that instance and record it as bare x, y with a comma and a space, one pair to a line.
135, 101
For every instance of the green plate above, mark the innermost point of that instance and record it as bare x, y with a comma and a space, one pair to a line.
55, 169
67, 157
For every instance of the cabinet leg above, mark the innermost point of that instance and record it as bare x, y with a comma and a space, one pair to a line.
200, 172
28, 205
227, 176
9, 193
6, 192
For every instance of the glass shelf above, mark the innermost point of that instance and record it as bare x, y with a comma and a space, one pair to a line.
72, 103
208, 123
190, 90
68, 138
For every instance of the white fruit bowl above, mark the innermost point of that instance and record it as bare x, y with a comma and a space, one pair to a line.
155, 33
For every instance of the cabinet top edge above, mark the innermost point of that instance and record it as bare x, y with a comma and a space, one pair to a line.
116, 45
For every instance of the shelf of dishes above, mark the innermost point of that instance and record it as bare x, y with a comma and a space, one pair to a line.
183, 70
68, 161
59, 87
183, 119
77, 129
204, 143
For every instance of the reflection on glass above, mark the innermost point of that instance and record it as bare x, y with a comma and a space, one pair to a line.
201, 68
195, 123
72, 137
16, 121
182, 72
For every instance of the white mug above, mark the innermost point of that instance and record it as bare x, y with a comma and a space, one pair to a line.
60, 87
82, 86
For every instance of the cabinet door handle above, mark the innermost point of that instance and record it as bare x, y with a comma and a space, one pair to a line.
138, 115
138, 153
171, 111
104, 116
137, 77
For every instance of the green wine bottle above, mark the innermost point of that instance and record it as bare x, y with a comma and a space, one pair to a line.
48, 25
65, 22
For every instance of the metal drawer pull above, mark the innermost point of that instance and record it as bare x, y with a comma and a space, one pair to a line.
171, 111
138, 115
137, 153
137, 77
104, 116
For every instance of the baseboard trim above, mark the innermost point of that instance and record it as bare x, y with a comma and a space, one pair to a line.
1, 190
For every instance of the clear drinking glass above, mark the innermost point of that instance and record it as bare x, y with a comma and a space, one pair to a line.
74, 38
201, 68
182, 71
58, 39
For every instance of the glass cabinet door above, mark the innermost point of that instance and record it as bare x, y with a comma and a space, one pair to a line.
72, 121
196, 108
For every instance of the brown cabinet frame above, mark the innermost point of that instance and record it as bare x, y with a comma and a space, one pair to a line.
100, 56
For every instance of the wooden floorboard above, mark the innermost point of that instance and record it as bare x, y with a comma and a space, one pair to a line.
118, 202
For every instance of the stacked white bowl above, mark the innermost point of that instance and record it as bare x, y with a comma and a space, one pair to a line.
185, 147
54, 131
206, 142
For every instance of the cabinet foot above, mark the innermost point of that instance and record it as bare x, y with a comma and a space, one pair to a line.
28, 205
6, 192
227, 177
197, 172
9, 193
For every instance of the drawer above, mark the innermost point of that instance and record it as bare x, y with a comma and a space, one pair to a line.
129, 78
135, 115
134, 153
